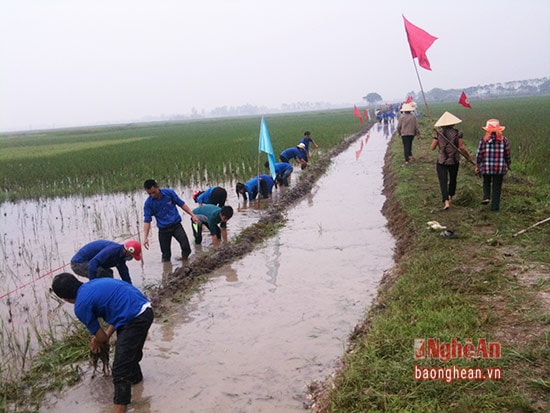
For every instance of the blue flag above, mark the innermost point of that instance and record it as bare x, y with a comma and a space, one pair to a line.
265, 146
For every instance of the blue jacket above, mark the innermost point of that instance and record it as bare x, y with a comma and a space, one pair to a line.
293, 152
103, 253
164, 209
282, 167
115, 301
204, 198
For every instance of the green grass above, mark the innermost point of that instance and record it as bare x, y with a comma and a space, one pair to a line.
57, 365
485, 283
111, 159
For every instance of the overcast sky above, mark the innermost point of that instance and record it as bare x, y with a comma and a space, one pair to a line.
82, 62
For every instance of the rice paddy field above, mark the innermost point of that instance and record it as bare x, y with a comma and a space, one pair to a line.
96, 160
89, 161
85, 162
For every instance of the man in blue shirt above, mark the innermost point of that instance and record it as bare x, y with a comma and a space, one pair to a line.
306, 140
215, 195
249, 190
297, 152
126, 310
95, 260
211, 216
283, 171
162, 204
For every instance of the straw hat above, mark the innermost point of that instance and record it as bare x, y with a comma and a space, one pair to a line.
493, 125
407, 107
447, 119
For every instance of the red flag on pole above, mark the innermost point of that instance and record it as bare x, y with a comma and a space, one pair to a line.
464, 100
419, 42
358, 114
409, 99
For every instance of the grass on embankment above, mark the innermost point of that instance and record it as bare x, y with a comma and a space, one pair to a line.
485, 283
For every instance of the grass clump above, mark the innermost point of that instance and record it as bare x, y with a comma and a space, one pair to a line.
485, 283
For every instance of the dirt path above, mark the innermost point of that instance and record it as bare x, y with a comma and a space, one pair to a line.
266, 325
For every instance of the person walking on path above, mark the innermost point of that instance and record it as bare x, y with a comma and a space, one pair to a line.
493, 160
162, 204
215, 219
449, 141
215, 195
297, 152
95, 259
126, 310
249, 190
407, 127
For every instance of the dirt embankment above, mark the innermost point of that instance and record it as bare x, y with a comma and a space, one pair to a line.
186, 276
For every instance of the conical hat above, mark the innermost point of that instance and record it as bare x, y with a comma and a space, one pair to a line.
447, 119
407, 107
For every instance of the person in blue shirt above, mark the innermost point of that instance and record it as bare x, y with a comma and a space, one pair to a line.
215, 195
162, 204
283, 171
250, 188
297, 152
306, 140
126, 310
95, 260
210, 216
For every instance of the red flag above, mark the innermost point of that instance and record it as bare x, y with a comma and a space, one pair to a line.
464, 101
419, 42
358, 114
409, 99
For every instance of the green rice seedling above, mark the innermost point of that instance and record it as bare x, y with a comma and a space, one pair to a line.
118, 159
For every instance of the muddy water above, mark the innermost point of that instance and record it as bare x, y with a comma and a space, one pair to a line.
38, 239
267, 325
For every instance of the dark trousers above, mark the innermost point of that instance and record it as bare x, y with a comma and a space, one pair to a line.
81, 268
447, 179
197, 229
218, 196
165, 241
492, 187
284, 177
128, 353
264, 192
407, 146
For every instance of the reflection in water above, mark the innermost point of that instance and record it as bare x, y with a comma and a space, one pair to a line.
167, 268
274, 263
311, 195
386, 131
231, 275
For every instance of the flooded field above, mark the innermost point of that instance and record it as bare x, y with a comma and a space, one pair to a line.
39, 238
268, 324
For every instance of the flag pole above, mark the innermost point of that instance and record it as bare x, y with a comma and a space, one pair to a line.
258, 176
431, 120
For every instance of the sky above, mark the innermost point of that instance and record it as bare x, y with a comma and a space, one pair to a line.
83, 62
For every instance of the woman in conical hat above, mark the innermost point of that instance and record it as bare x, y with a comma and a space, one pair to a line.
493, 161
449, 141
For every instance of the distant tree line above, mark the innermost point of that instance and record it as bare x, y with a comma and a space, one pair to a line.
532, 87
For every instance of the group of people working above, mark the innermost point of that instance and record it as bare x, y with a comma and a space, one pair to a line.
121, 305
262, 185
492, 160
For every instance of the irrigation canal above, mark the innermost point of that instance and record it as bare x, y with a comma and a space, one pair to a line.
270, 323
